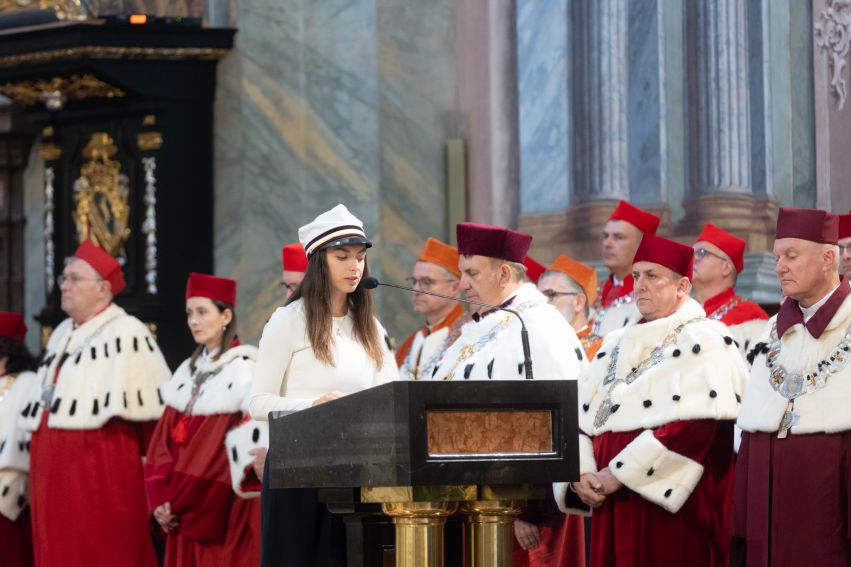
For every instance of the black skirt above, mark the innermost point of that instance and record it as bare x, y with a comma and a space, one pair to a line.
298, 531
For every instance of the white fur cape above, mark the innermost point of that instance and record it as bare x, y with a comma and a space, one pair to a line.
699, 376
225, 389
110, 367
14, 449
491, 348
824, 411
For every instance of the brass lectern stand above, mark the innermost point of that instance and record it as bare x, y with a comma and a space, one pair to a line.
426, 451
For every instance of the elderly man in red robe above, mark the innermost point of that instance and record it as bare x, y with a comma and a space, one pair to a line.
793, 476
656, 413
91, 413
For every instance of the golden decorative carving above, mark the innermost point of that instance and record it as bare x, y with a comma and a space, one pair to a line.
50, 152
74, 88
46, 331
112, 52
64, 9
101, 195
149, 141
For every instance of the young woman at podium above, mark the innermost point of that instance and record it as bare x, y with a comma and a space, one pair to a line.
325, 343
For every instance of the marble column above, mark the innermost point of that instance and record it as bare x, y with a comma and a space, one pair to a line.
600, 100
831, 29
486, 58
722, 109
600, 127
721, 189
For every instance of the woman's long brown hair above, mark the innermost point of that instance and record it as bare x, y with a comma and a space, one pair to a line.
315, 290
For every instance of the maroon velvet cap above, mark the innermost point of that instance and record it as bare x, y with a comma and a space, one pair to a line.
476, 239
814, 225
844, 226
664, 252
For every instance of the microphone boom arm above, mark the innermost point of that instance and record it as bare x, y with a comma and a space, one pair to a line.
524, 334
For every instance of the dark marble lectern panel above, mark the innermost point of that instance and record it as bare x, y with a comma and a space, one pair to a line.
380, 436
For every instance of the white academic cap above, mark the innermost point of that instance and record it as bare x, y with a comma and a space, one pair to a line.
336, 227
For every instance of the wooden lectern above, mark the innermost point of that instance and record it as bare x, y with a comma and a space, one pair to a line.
425, 451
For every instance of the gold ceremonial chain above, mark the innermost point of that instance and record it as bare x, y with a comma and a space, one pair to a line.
469, 350
607, 408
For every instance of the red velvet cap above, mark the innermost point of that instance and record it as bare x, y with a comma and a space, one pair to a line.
664, 252
12, 326
844, 226
533, 269
814, 225
293, 258
732, 246
476, 239
103, 263
641, 219
218, 289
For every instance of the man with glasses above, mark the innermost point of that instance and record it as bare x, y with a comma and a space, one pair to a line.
845, 245
621, 237
293, 265
436, 270
571, 287
718, 261
91, 412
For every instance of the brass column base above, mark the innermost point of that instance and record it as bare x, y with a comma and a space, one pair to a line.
491, 532
419, 531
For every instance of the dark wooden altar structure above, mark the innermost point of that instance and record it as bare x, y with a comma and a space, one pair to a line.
123, 118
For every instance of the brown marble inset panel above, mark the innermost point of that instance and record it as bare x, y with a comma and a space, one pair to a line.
482, 432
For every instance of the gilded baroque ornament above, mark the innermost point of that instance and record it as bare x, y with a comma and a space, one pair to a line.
102, 211
833, 36
64, 9
57, 90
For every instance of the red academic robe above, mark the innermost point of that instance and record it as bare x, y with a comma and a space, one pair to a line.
629, 531
187, 466
87, 497
562, 537
16, 541
783, 525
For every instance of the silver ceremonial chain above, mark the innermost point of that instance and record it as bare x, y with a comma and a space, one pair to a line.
792, 385
601, 313
724, 309
607, 408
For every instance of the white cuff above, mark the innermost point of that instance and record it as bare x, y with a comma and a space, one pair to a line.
14, 493
661, 476
587, 462
252, 434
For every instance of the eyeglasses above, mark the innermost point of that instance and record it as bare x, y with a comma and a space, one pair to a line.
552, 294
845, 248
291, 287
425, 283
702, 253
73, 278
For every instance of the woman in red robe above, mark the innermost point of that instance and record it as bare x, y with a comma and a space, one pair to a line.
206, 507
